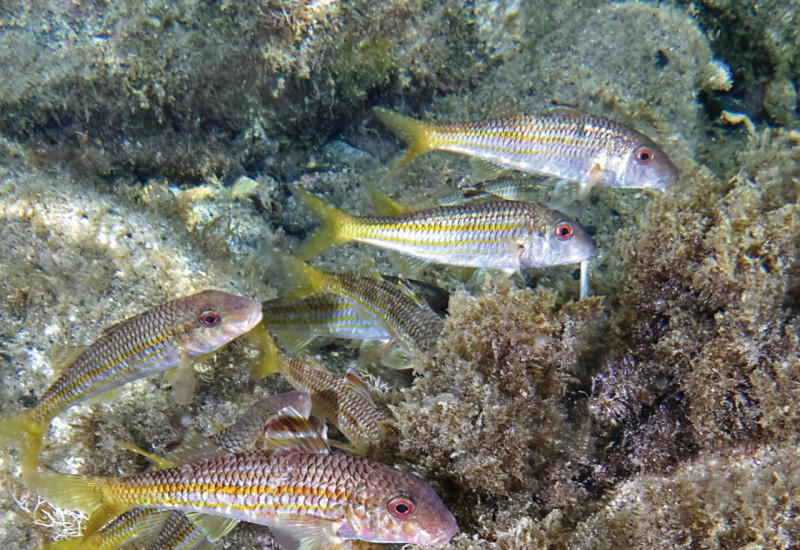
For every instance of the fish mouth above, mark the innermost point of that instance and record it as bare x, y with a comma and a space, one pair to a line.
443, 537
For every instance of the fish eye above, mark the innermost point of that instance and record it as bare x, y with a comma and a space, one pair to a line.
644, 155
210, 318
401, 507
564, 231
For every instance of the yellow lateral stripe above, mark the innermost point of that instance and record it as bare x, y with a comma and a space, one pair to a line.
93, 372
476, 226
576, 153
455, 242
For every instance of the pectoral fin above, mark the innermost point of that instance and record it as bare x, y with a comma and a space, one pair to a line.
181, 378
305, 533
214, 527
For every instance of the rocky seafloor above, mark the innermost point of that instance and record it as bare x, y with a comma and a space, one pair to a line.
146, 150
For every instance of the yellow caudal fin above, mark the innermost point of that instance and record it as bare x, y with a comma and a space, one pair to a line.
22, 429
304, 279
74, 493
63, 544
266, 363
414, 132
333, 229
81, 493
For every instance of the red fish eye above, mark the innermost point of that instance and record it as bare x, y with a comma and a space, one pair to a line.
644, 155
401, 507
210, 319
563, 231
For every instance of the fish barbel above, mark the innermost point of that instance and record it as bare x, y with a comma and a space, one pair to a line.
307, 496
174, 334
566, 144
496, 234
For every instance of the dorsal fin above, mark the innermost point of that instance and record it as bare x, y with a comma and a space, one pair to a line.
290, 431
385, 205
116, 326
504, 107
63, 356
354, 381
195, 448
403, 286
214, 527
565, 108
483, 170
407, 265
368, 269
160, 463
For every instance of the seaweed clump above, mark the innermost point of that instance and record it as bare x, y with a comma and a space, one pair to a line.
721, 501
490, 417
709, 314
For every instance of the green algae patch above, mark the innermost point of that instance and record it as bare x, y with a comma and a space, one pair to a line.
361, 66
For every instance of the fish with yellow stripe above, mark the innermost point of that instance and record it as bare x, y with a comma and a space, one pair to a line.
179, 533
307, 496
172, 335
138, 524
567, 144
495, 234
343, 401
161, 530
409, 320
297, 322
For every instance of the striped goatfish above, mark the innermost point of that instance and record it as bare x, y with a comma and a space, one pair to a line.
298, 322
345, 402
133, 525
164, 530
179, 533
566, 144
174, 334
408, 320
496, 234
307, 496
147, 527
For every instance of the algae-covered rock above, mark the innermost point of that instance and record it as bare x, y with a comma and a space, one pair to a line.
740, 498
193, 90
709, 308
500, 380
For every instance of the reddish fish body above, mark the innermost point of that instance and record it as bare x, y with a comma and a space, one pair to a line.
304, 497
173, 334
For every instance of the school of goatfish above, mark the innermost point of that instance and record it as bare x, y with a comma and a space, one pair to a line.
275, 466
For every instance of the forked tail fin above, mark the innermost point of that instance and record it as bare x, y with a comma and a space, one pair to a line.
416, 133
25, 430
80, 493
333, 228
